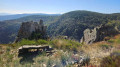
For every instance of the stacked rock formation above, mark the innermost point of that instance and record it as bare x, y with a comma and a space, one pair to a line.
98, 33
28, 29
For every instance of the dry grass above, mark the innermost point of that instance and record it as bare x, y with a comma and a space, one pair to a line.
96, 51
111, 61
65, 44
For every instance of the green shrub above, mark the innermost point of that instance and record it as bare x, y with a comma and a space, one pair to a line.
86, 60
27, 42
65, 44
118, 41
105, 46
49, 63
72, 45
8, 48
40, 41
64, 58
35, 35
111, 61
32, 42
114, 41
111, 41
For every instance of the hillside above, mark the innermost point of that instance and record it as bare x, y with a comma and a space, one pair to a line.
9, 28
16, 16
66, 53
71, 24
33, 48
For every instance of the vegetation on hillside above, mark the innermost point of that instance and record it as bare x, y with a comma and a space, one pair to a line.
111, 61
105, 53
71, 24
62, 44
9, 28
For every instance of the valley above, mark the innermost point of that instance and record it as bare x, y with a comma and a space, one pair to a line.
74, 39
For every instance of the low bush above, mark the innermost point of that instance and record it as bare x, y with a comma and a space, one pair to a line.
66, 44
111, 61
63, 59
105, 46
86, 60
117, 41
32, 42
49, 62
27, 42
111, 41
40, 41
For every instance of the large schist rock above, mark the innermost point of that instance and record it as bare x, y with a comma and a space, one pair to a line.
98, 33
28, 28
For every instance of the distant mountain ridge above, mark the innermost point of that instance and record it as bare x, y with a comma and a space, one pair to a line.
16, 16
3, 14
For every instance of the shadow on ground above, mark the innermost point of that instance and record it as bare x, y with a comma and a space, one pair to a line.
27, 57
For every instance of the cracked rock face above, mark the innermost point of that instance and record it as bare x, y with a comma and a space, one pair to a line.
27, 28
98, 33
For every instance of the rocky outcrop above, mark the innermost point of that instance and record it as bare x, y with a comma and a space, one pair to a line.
32, 30
98, 33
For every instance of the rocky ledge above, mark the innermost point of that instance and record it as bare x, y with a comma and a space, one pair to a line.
98, 33
32, 30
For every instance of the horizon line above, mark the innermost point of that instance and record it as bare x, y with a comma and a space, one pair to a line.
10, 13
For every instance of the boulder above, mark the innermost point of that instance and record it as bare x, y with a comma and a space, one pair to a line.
98, 33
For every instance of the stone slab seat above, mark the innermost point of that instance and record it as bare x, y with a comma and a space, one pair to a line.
25, 48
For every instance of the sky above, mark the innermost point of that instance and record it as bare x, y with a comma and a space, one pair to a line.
58, 6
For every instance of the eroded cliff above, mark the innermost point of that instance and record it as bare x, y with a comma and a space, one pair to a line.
32, 30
